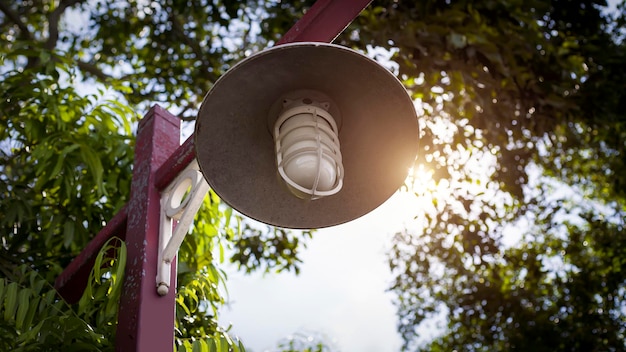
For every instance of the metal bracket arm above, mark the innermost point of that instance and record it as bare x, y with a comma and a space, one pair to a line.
179, 204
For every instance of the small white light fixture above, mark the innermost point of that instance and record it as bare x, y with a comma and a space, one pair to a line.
307, 147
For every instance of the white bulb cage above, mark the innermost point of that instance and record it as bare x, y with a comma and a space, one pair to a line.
306, 131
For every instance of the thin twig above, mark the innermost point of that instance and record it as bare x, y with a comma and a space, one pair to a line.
92, 69
15, 18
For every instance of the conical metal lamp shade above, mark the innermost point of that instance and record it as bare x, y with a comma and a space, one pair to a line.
378, 134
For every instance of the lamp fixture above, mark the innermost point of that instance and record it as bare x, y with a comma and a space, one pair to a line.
306, 135
306, 139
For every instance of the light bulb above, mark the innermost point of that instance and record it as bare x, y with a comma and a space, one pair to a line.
307, 148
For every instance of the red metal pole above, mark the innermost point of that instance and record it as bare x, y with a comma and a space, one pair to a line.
146, 320
324, 21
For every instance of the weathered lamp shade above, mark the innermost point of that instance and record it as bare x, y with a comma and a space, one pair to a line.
235, 148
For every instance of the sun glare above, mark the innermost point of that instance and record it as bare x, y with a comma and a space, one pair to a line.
411, 199
421, 186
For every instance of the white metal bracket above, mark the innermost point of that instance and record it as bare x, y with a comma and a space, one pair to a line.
179, 204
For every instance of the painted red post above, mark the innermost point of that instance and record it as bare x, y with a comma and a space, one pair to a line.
146, 320
324, 21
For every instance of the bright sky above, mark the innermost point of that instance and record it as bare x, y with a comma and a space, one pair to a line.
340, 292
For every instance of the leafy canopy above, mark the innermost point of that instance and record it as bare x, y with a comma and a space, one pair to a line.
75, 77
522, 246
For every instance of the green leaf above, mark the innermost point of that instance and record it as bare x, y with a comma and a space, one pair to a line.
33, 308
68, 233
200, 346
33, 334
62, 158
23, 306
228, 213
224, 344
95, 166
242, 348
213, 344
10, 301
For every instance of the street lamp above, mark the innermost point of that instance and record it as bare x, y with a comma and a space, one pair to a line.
302, 136
306, 135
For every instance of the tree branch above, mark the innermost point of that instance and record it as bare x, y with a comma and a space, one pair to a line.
177, 28
53, 22
92, 69
15, 18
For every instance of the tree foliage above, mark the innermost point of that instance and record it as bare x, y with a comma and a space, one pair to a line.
75, 77
522, 162
303, 341
522, 246
520, 242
